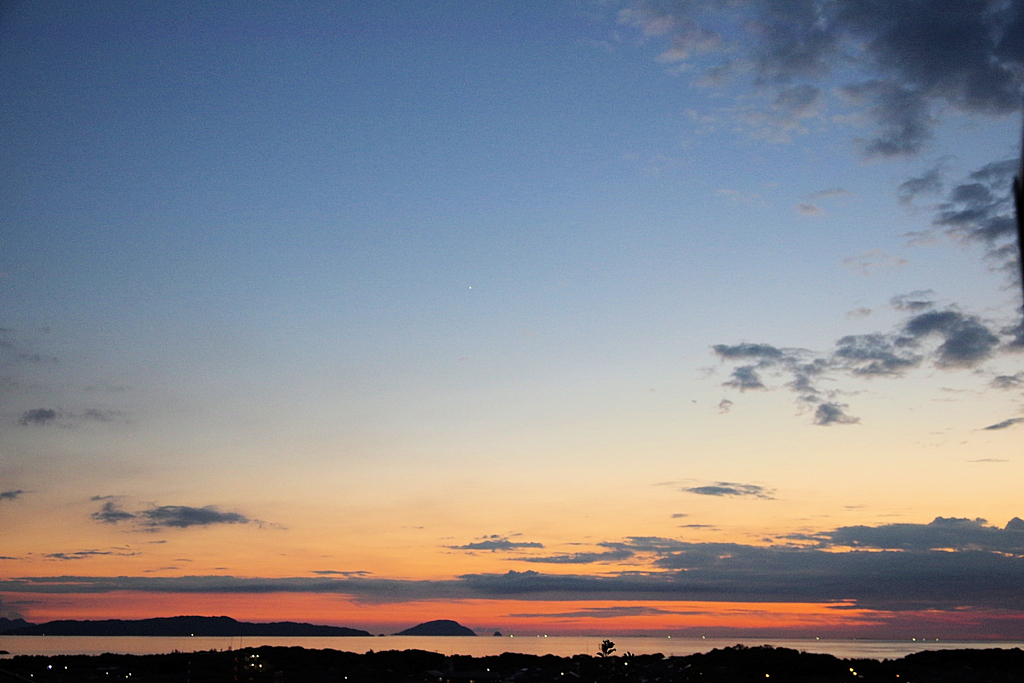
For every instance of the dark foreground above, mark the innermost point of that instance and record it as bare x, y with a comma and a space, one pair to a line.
299, 665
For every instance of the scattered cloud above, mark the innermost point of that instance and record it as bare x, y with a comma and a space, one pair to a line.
980, 210
1006, 423
833, 413
947, 339
12, 494
724, 405
726, 488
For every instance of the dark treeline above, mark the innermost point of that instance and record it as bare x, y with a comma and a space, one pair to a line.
733, 664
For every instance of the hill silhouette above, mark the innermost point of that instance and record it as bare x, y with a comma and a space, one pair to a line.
7, 624
181, 626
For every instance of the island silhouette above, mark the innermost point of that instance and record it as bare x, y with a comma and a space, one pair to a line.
438, 627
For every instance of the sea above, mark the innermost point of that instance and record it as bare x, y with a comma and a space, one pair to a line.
481, 646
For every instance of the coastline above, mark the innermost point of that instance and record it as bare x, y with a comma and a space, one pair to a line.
539, 645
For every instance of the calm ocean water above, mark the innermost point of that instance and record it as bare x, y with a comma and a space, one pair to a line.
477, 647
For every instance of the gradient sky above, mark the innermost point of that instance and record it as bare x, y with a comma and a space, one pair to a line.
594, 316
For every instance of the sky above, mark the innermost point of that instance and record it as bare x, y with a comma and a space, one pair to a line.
576, 317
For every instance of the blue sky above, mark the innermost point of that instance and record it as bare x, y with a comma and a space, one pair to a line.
388, 282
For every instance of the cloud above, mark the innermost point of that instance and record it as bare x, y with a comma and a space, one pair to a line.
833, 414
183, 516
725, 488
617, 555
745, 350
873, 261
980, 209
873, 355
724, 405
11, 495
831, 192
38, 416
942, 533
607, 612
495, 543
86, 554
45, 416
915, 301
929, 182
966, 341
1006, 423
745, 377
167, 516
110, 513
900, 65
1013, 381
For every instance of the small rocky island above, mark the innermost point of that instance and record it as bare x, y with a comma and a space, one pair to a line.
438, 627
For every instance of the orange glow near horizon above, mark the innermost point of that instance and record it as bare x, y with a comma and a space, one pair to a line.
509, 616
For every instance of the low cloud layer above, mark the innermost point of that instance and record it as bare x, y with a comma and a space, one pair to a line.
948, 564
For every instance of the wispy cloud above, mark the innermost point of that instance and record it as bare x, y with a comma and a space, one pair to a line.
12, 494
87, 554
38, 416
48, 416
495, 543
730, 489
1006, 423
